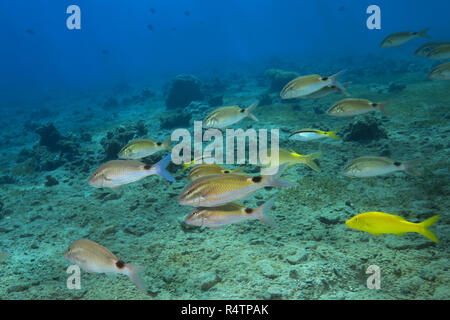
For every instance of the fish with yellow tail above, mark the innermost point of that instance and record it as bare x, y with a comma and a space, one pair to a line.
205, 169
227, 116
370, 166
94, 258
351, 107
230, 213
199, 160
306, 85
291, 158
219, 189
399, 38
115, 173
441, 72
141, 148
313, 134
378, 223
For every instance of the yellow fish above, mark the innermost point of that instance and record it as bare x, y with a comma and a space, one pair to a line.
440, 53
196, 161
351, 107
94, 258
377, 223
230, 213
220, 189
441, 72
205, 169
141, 148
313, 134
305, 85
399, 38
291, 158
226, 116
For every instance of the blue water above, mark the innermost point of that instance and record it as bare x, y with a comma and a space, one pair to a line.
50, 74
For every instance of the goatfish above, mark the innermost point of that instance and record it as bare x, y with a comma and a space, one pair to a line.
94, 258
424, 50
365, 167
305, 85
226, 116
291, 158
219, 189
351, 107
399, 38
440, 53
141, 148
115, 173
441, 72
229, 214
313, 134
196, 161
378, 223
205, 169
325, 91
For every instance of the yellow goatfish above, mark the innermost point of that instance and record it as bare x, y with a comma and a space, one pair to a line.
205, 169
291, 158
230, 213
399, 38
441, 72
219, 189
141, 148
378, 223
305, 85
440, 53
226, 116
196, 161
94, 258
115, 173
351, 107
313, 134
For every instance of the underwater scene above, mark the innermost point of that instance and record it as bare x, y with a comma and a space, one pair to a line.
276, 150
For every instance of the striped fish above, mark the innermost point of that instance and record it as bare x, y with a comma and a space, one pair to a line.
219, 189
226, 116
205, 169
229, 214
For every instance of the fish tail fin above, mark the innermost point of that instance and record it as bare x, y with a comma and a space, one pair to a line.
335, 82
423, 33
380, 107
160, 168
134, 275
332, 134
423, 228
262, 213
410, 166
273, 180
309, 161
166, 144
250, 109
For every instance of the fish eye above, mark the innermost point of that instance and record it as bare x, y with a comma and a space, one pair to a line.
158, 144
257, 179
226, 171
248, 210
324, 78
242, 110
374, 104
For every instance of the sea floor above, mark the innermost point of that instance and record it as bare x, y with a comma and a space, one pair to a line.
311, 255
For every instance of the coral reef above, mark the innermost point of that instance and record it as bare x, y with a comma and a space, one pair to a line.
182, 90
171, 120
366, 129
